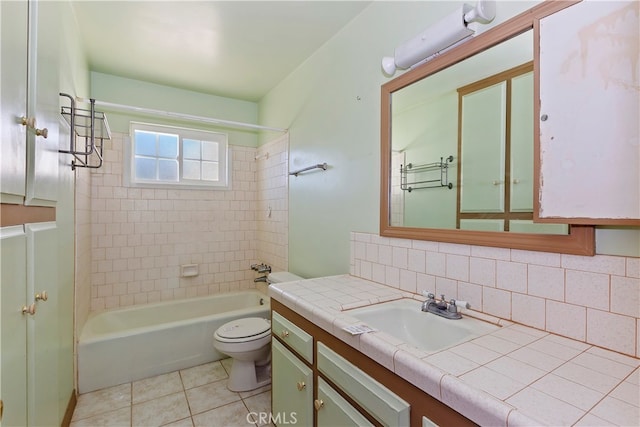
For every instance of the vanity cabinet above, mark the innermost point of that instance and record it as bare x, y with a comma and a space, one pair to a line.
336, 385
589, 150
291, 387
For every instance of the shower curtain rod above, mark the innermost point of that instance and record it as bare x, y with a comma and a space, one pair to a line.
182, 116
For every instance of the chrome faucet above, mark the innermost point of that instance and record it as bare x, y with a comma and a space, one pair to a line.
261, 268
260, 279
448, 310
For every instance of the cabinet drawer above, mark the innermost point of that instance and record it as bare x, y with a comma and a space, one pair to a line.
295, 337
376, 399
335, 410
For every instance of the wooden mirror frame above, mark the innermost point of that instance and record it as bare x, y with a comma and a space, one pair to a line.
581, 238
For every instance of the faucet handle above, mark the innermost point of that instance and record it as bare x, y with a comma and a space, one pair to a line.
460, 303
428, 294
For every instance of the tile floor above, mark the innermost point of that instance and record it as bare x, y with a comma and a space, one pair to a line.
191, 397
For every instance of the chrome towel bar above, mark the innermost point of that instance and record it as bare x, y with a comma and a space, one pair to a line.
322, 166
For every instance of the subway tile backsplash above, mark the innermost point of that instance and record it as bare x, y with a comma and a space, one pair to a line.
591, 299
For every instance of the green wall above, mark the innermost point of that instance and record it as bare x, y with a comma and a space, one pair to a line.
119, 90
331, 106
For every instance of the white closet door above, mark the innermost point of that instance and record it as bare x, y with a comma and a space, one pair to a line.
589, 109
13, 325
43, 336
483, 150
13, 87
43, 103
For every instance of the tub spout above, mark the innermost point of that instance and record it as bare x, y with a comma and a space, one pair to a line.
260, 279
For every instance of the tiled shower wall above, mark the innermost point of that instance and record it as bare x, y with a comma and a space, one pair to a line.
273, 203
83, 245
591, 299
130, 242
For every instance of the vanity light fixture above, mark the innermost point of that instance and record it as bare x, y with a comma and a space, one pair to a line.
446, 33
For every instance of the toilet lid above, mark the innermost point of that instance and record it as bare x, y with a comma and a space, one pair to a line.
243, 328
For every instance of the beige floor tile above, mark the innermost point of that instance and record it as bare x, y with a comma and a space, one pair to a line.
187, 422
118, 418
160, 411
233, 414
260, 407
203, 374
226, 363
210, 396
154, 387
100, 401
259, 390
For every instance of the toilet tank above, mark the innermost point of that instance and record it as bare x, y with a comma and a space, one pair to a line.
282, 276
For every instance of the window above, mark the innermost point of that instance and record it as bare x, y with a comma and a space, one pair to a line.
170, 156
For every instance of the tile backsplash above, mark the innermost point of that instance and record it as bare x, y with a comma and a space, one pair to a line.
591, 299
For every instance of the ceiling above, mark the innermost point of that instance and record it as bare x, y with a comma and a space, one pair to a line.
236, 49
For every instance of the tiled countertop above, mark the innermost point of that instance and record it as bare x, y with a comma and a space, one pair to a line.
514, 376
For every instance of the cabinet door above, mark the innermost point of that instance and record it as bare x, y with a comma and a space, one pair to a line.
42, 328
291, 386
334, 410
589, 147
13, 102
13, 358
521, 137
483, 150
43, 103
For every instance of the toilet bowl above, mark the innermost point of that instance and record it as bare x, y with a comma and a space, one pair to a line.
248, 342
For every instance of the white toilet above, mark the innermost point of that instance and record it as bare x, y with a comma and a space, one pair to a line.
248, 342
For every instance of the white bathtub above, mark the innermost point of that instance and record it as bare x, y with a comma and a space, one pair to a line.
129, 344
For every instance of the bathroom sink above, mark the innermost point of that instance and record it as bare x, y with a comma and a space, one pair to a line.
404, 320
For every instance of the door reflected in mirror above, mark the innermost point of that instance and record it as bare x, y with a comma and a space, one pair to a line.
458, 148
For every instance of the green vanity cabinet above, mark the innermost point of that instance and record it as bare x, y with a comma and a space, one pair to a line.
321, 381
291, 388
334, 410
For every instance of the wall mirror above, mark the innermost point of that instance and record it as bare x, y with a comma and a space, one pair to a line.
458, 147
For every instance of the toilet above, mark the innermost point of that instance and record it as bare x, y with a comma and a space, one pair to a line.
248, 342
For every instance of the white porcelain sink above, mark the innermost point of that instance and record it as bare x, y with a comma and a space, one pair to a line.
404, 320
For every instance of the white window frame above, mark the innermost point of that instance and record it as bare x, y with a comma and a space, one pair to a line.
224, 156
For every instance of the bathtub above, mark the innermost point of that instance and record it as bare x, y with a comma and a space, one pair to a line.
128, 344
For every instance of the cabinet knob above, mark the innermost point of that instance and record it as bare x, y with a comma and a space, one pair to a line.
29, 309
516, 181
44, 132
42, 296
318, 403
284, 334
496, 182
301, 385
29, 122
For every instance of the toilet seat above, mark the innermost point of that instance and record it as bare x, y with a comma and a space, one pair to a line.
243, 330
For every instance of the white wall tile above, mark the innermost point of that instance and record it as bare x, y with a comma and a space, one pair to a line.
457, 267
587, 289
547, 282
612, 331
625, 296
528, 310
511, 276
566, 319
482, 271
496, 302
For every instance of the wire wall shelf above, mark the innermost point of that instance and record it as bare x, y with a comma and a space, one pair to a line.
91, 127
416, 177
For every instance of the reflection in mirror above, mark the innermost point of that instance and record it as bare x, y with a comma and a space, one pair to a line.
451, 134
458, 151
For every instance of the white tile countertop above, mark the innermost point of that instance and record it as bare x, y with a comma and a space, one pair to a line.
513, 376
